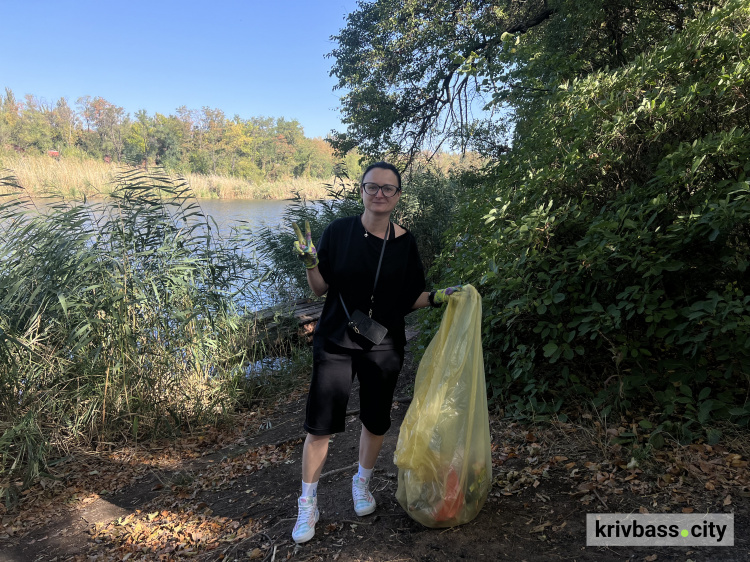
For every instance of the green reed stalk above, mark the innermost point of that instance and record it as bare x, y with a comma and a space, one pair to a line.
117, 320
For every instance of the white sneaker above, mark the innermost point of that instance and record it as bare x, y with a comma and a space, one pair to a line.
307, 516
364, 503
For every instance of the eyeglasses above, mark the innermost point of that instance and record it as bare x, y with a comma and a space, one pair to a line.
387, 189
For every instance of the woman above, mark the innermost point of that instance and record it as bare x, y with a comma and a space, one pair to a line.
345, 266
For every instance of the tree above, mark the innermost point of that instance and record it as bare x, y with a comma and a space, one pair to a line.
64, 123
202, 141
418, 74
10, 113
36, 128
139, 143
168, 139
314, 159
106, 120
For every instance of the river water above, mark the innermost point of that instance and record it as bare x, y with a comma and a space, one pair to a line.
257, 212
225, 214
252, 214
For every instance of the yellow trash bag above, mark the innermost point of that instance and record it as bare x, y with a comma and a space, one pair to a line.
443, 450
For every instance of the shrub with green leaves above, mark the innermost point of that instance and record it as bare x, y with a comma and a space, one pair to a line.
611, 243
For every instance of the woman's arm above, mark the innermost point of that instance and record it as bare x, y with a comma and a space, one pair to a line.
441, 296
422, 301
316, 282
305, 250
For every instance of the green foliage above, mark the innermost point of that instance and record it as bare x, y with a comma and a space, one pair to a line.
408, 71
116, 319
611, 246
417, 74
273, 247
428, 203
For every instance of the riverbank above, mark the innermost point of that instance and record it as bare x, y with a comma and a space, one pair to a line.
92, 178
229, 493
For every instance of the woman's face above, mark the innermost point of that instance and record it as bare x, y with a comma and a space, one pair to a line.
379, 203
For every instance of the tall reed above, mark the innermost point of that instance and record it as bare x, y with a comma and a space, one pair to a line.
222, 187
71, 177
74, 177
117, 320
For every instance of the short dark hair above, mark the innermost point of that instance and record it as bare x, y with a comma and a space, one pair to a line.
385, 166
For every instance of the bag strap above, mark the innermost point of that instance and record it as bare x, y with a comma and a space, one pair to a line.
377, 274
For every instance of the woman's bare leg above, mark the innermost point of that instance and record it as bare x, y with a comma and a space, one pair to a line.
314, 454
369, 448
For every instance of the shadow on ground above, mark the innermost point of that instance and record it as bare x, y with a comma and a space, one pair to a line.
240, 503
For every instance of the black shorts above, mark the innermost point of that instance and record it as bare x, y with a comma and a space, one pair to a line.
334, 368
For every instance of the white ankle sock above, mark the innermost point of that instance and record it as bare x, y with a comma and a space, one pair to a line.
309, 490
365, 472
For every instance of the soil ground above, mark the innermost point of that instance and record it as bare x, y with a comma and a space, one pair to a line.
231, 495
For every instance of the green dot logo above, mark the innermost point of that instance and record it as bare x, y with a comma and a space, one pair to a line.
685, 533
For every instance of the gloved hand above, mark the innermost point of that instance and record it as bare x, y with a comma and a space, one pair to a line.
304, 247
443, 295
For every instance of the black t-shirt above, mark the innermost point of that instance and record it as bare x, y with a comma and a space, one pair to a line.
348, 262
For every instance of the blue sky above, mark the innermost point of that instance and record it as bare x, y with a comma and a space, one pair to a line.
251, 58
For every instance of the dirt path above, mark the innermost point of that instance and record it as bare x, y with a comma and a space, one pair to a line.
239, 502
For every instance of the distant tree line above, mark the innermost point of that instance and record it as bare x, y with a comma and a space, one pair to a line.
200, 141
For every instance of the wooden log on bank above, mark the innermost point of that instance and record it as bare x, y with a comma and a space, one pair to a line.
290, 320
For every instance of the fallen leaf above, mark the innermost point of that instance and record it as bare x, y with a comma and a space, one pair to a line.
651, 558
540, 528
642, 510
687, 510
255, 554
728, 500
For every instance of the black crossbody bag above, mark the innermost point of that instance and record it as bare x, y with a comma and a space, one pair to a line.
362, 323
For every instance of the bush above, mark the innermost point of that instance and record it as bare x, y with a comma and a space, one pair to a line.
611, 243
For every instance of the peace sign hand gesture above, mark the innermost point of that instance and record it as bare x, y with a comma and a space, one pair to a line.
304, 247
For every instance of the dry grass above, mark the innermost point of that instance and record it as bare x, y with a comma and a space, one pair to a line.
91, 178
222, 187
70, 177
